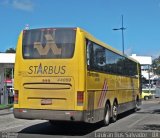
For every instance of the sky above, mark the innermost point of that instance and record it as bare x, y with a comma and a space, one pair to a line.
98, 17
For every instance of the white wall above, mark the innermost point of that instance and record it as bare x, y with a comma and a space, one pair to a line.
7, 58
143, 60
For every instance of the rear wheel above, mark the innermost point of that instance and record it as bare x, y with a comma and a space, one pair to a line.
137, 104
114, 112
106, 115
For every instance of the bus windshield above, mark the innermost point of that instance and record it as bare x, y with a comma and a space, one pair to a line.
48, 43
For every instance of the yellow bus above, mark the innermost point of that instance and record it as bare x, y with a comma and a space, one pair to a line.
65, 74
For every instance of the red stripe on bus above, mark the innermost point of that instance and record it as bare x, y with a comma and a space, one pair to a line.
103, 94
99, 102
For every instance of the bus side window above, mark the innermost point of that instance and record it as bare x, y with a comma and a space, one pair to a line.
101, 58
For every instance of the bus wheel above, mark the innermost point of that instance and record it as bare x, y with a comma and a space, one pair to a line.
146, 98
114, 112
137, 105
106, 115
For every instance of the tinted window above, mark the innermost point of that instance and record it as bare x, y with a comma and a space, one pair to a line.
104, 60
110, 61
48, 43
96, 59
99, 57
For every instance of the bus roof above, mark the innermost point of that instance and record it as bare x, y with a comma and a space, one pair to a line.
92, 38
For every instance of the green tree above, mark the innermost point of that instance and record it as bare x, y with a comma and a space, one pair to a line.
156, 65
10, 50
8, 72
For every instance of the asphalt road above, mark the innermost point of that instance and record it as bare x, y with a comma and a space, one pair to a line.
145, 120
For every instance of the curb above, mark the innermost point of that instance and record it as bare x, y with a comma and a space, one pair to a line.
7, 107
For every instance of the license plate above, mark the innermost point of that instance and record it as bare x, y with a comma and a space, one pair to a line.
46, 101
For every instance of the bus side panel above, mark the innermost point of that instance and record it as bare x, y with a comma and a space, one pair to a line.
18, 64
81, 65
100, 87
127, 89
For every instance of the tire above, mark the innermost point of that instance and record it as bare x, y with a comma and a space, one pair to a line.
137, 105
114, 112
146, 98
106, 120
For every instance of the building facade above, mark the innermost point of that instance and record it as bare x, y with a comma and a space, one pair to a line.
7, 61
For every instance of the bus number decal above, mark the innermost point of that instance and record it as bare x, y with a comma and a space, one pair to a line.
103, 94
64, 80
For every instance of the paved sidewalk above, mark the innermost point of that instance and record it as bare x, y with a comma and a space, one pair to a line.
6, 111
3, 106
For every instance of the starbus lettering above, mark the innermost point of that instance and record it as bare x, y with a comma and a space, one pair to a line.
47, 69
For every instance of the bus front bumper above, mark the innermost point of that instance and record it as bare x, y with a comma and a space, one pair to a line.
50, 115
